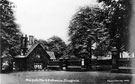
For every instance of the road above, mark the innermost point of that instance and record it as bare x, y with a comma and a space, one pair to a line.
66, 77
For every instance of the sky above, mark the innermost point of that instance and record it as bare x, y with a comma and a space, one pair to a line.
46, 18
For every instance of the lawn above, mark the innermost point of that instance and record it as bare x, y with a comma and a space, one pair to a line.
66, 77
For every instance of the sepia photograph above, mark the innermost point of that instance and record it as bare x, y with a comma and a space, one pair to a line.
67, 41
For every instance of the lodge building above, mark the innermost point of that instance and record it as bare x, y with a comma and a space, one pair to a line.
33, 56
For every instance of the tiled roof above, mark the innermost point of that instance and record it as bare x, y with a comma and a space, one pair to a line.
51, 54
31, 49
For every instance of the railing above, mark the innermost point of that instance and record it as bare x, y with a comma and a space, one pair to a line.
53, 65
77, 65
126, 65
74, 65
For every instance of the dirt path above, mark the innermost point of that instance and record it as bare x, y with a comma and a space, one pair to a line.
62, 77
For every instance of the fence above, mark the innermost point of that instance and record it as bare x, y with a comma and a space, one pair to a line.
53, 65
126, 65
76, 65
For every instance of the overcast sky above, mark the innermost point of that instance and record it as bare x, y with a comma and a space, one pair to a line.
46, 18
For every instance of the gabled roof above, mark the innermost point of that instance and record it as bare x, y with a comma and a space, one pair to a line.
51, 54
32, 48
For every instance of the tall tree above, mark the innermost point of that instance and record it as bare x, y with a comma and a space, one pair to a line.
57, 45
9, 29
87, 28
118, 15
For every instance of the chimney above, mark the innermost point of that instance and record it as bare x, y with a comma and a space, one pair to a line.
31, 40
24, 41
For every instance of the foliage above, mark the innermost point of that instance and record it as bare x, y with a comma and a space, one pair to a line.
69, 49
9, 29
57, 45
87, 28
44, 43
118, 15
7, 61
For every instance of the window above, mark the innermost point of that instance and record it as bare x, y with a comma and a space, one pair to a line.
37, 56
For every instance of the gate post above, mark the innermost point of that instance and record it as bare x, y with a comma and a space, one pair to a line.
83, 54
114, 60
63, 64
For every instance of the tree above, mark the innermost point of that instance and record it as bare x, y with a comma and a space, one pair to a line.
118, 15
87, 28
68, 50
10, 33
7, 60
44, 43
57, 45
